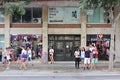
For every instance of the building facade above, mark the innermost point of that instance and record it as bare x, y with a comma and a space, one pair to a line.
61, 24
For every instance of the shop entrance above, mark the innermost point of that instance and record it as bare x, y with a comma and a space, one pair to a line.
64, 46
102, 43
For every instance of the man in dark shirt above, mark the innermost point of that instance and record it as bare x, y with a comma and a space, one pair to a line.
87, 58
19, 50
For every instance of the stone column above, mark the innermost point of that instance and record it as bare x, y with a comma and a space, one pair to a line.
111, 51
117, 41
45, 32
83, 29
7, 30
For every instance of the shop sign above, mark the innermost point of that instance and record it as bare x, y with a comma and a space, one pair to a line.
63, 15
100, 36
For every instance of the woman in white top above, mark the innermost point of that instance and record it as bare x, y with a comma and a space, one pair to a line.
8, 58
51, 54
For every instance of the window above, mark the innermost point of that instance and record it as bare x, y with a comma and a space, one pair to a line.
16, 18
2, 16
95, 16
28, 16
31, 16
37, 12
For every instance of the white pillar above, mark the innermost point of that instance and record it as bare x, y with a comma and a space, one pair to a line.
111, 51
7, 30
84, 31
45, 31
117, 41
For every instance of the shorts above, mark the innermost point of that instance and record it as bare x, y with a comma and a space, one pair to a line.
94, 60
23, 59
9, 60
82, 59
87, 61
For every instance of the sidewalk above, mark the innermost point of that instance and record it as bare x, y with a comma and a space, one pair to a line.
36, 68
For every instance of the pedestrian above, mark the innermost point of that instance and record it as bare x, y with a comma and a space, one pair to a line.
94, 59
0, 54
82, 56
37, 51
77, 58
40, 52
51, 54
19, 50
23, 58
87, 58
29, 52
33, 54
7, 58
90, 47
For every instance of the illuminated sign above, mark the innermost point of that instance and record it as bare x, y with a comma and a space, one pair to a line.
100, 36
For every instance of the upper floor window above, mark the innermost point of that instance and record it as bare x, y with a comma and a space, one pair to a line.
2, 15
96, 16
32, 15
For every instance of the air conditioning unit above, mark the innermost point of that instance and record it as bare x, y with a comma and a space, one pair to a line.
36, 20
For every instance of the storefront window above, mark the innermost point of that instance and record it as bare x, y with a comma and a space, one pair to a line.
69, 38
24, 39
2, 16
102, 44
95, 16
61, 37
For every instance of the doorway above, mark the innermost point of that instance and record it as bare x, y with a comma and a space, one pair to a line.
64, 46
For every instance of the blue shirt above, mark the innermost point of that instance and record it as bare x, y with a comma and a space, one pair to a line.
87, 54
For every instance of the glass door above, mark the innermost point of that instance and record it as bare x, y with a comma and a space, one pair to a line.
59, 51
64, 46
69, 51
